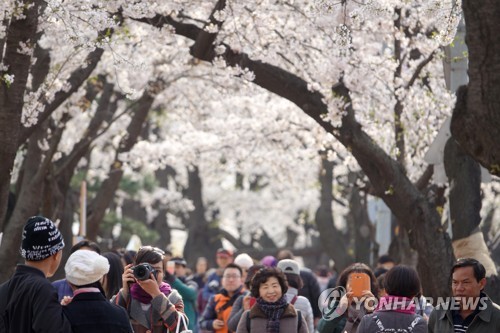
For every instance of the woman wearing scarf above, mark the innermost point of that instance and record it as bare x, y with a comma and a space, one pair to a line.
271, 312
395, 311
153, 306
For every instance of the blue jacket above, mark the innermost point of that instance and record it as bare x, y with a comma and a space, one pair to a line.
63, 289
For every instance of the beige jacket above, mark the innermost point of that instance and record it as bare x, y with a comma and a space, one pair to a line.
258, 321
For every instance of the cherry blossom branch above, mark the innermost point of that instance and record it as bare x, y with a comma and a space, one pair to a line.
76, 79
420, 67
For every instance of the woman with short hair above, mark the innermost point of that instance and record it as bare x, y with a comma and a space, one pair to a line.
271, 312
153, 306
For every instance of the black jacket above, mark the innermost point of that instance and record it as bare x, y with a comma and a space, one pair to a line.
31, 305
311, 290
91, 312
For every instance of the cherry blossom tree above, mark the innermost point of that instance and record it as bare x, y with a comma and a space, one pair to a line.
404, 73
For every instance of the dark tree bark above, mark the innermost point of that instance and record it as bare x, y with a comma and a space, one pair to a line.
331, 238
11, 97
464, 178
66, 218
160, 222
41, 67
362, 228
400, 249
291, 237
10, 117
205, 39
475, 122
36, 165
265, 241
203, 237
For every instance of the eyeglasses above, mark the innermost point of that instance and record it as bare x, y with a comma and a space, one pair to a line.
231, 276
152, 248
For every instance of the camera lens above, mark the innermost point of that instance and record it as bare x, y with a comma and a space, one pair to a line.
142, 272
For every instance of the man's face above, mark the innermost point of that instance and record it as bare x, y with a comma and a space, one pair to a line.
223, 260
465, 285
180, 270
231, 279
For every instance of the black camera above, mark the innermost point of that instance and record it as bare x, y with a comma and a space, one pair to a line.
143, 272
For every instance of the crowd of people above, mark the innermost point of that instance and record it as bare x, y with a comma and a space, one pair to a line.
151, 291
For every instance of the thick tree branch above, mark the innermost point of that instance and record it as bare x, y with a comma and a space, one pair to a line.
425, 178
237, 243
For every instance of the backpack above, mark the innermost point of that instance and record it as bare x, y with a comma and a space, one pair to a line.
299, 318
382, 329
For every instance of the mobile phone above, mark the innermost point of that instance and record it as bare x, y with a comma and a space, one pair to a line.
358, 282
252, 301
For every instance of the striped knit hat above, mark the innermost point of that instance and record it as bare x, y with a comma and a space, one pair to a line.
41, 239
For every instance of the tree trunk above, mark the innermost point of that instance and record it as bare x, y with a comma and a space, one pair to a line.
66, 225
331, 239
203, 237
400, 249
22, 29
160, 224
361, 226
464, 177
475, 123
28, 203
